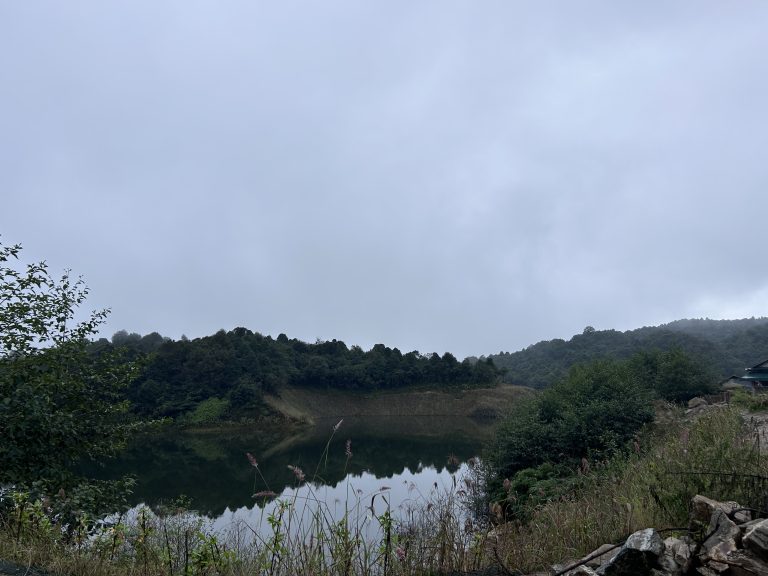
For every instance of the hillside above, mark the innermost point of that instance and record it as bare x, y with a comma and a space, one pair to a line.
231, 374
309, 404
722, 347
237, 372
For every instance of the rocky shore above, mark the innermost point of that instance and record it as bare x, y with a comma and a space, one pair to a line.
722, 539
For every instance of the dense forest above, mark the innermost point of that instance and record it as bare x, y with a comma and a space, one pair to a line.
227, 373
235, 368
723, 347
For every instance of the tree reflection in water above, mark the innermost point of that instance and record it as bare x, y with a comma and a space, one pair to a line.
213, 471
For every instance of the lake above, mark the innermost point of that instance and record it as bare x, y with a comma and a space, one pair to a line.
396, 463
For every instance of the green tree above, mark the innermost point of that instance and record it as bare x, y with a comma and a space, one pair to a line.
59, 404
591, 414
673, 375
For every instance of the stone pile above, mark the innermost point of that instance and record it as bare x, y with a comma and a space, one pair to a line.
723, 540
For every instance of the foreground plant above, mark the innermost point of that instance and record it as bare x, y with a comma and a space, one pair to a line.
59, 405
716, 455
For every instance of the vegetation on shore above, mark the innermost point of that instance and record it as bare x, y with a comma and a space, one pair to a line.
227, 375
59, 405
573, 467
716, 454
594, 414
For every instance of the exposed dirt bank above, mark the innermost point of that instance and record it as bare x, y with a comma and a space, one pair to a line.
310, 405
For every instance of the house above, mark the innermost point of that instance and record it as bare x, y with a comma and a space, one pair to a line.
755, 379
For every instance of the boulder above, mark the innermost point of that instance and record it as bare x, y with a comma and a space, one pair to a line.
639, 556
677, 556
724, 538
578, 571
702, 509
697, 402
602, 555
756, 538
746, 563
598, 557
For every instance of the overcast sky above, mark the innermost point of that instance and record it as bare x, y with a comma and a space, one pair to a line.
461, 176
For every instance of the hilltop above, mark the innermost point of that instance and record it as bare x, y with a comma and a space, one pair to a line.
721, 347
239, 374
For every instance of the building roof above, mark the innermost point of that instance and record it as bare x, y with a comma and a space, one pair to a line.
761, 369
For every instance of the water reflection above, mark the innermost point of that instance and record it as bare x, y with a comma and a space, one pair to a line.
362, 500
406, 454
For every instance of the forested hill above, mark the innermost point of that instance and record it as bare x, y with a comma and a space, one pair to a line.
724, 347
236, 368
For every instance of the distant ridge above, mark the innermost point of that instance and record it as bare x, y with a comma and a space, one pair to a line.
724, 347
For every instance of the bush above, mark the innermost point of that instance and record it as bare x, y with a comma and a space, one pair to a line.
58, 404
209, 410
591, 415
672, 375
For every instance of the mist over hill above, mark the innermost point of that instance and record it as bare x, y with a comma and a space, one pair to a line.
723, 347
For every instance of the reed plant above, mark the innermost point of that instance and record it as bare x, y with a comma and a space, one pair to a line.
299, 533
717, 454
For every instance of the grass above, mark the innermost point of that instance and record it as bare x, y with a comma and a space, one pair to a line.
313, 404
749, 401
718, 454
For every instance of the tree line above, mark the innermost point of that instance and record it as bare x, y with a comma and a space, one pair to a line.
239, 366
591, 415
722, 347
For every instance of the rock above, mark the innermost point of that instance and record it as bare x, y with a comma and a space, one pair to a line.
702, 509
677, 556
561, 568
746, 563
747, 526
578, 571
606, 554
735, 545
741, 516
598, 557
697, 402
638, 557
717, 567
756, 538
724, 538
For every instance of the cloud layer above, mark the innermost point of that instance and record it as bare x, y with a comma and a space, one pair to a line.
432, 175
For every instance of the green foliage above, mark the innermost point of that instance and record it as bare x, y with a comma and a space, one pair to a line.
58, 403
750, 401
719, 347
208, 411
717, 455
547, 442
240, 366
590, 415
672, 375
532, 487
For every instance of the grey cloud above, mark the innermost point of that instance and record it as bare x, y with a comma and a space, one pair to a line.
437, 176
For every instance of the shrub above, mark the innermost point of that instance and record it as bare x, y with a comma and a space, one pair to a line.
590, 415
209, 410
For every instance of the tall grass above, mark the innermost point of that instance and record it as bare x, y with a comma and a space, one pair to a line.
298, 533
717, 454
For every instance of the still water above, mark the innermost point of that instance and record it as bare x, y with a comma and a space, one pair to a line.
366, 466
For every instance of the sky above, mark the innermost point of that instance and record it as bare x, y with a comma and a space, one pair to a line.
470, 177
